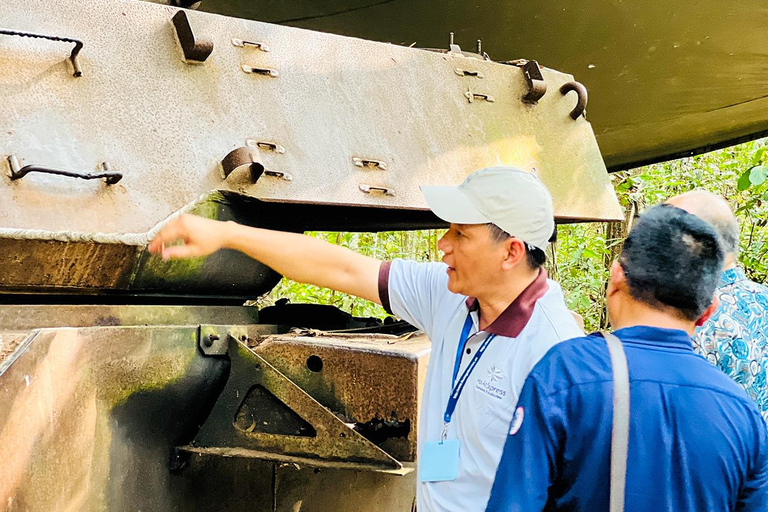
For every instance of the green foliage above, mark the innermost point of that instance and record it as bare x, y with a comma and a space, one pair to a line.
386, 245
583, 255
580, 253
738, 173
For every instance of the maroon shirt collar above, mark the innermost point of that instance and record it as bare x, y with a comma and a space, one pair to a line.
512, 320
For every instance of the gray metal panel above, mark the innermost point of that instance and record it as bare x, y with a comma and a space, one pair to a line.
166, 124
666, 79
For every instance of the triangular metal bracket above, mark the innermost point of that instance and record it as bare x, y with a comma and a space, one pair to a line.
334, 442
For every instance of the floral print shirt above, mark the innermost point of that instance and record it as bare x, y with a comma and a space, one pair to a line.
735, 338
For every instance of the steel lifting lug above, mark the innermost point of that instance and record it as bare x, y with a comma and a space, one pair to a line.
240, 157
196, 51
537, 87
581, 104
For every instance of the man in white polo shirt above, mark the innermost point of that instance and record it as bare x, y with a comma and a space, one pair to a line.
488, 308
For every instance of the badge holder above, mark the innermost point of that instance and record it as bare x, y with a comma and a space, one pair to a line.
440, 459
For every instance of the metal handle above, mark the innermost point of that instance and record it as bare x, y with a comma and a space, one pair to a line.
371, 188
252, 44
72, 56
369, 163
265, 144
259, 71
581, 105
472, 96
278, 174
468, 72
110, 177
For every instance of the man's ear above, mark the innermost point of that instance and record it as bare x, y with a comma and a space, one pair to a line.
515, 253
618, 279
708, 312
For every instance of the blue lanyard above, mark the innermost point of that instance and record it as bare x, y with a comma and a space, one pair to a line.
462, 344
458, 386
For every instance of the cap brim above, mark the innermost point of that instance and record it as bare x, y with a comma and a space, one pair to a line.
452, 206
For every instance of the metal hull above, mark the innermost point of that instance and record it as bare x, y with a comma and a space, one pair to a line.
112, 418
320, 131
666, 79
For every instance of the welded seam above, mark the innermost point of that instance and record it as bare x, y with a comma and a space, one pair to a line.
135, 239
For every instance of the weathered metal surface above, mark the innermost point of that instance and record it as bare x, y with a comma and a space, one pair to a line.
668, 79
335, 99
302, 490
366, 379
327, 437
38, 264
90, 419
28, 317
345, 131
91, 266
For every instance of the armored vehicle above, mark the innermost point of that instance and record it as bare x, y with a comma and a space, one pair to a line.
128, 383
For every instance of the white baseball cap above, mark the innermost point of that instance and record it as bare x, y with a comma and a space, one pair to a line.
512, 199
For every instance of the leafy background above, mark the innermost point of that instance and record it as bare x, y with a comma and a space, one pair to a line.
583, 253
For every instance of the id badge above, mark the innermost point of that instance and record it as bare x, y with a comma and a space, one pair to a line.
439, 461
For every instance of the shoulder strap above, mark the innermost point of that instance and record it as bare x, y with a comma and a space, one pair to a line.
620, 432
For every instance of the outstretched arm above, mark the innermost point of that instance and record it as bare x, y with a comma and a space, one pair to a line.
298, 257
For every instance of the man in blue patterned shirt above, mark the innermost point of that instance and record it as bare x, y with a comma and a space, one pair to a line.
735, 338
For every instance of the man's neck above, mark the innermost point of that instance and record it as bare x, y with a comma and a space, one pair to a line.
637, 313
498, 299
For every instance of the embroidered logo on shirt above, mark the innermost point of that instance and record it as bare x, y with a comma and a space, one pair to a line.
517, 420
487, 385
494, 374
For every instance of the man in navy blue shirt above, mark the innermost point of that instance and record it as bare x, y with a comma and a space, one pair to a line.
696, 441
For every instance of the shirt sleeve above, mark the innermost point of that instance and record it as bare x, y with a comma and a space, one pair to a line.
528, 463
754, 495
413, 290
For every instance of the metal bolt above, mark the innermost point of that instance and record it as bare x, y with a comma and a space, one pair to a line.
479, 47
451, 39
208, 340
